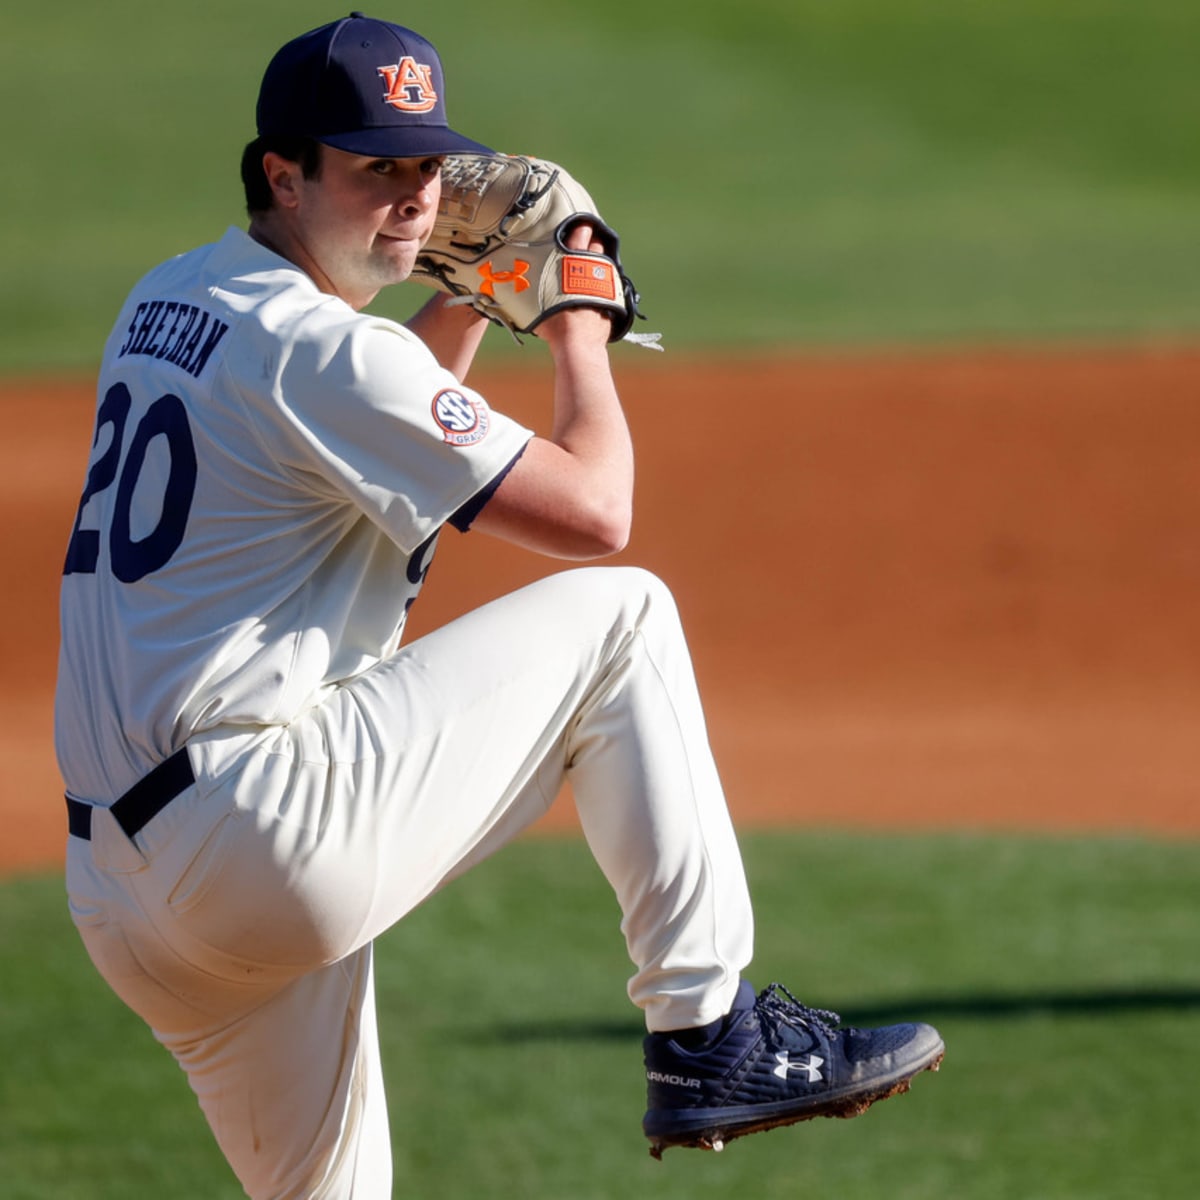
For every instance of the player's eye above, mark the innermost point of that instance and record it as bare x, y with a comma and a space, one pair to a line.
433, 166
383, 166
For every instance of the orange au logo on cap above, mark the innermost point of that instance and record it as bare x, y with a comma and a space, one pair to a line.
409, 86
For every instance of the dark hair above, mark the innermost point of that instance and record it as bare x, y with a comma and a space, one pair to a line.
298, 149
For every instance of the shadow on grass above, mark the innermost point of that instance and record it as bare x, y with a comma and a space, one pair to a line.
987, 1006
1099, 1003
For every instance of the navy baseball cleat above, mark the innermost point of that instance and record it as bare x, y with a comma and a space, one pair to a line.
773, 1061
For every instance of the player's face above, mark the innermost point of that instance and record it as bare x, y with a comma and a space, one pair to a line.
363, 220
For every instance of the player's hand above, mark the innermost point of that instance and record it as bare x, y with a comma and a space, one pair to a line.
590, 323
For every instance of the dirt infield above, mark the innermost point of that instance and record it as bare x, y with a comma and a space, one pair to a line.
948, 590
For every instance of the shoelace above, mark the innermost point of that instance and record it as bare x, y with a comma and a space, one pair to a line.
772, 1005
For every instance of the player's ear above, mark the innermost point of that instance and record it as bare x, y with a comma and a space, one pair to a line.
283, 176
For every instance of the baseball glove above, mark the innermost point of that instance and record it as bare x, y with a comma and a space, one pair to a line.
499, 244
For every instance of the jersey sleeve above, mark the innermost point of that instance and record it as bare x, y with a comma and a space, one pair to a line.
382, 423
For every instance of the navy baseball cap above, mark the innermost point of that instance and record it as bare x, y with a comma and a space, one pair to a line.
361, 85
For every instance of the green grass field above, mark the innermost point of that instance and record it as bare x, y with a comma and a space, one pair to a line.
1062, 972
783, 172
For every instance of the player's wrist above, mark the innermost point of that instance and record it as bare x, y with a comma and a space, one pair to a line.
576, 327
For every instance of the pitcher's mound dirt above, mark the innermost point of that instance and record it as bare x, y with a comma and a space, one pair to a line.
946, 589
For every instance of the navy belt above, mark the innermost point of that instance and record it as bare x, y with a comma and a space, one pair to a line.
144, 801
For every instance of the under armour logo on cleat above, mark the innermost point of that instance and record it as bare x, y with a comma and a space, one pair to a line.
812, 1067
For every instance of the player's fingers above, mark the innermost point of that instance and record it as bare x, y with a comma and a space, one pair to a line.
581, 238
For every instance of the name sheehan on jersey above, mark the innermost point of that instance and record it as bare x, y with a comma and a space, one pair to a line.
182, 334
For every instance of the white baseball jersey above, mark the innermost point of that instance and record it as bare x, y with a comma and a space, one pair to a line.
269, 473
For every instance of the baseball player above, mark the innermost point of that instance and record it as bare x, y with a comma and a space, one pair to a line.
261, 777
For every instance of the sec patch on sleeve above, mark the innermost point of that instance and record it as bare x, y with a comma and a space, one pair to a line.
464, 420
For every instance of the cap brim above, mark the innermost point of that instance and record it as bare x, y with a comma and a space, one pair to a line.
410, 141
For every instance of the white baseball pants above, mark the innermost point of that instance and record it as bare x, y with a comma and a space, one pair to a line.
239, 922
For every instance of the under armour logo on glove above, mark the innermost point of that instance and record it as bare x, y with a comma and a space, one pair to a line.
491, 277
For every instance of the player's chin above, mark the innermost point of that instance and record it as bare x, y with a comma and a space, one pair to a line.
400, 255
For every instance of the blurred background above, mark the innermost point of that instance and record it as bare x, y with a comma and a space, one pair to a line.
783, 172
920, 463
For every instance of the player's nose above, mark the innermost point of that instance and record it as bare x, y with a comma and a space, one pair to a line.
416, 195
